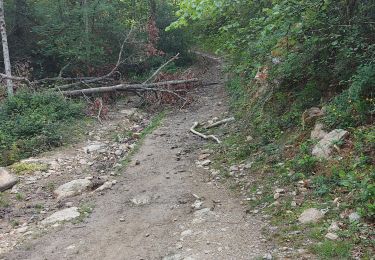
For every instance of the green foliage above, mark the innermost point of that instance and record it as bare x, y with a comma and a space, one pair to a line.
333, 250
353, 106
32, 123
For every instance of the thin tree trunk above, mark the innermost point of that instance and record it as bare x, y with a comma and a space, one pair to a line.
4, 39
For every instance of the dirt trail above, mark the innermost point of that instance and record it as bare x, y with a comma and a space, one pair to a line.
149, 214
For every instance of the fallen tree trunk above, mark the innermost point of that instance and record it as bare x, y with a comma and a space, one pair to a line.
127, 87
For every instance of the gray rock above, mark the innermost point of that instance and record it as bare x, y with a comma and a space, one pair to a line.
331, 236
324, 148
234, 168
318, 133
354, 217
73, 188
7, 180
62, 215
310, 215
93, 147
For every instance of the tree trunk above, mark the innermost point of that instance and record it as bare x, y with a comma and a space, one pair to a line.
4, 39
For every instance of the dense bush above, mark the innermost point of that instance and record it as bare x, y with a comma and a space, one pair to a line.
31, 123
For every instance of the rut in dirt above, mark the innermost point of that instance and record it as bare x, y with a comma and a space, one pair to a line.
165, 207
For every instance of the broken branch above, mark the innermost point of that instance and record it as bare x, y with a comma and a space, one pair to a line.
192, 129
224, 121
160, 68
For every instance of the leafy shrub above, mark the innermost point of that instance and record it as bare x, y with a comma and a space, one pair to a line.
32, 123
353, 106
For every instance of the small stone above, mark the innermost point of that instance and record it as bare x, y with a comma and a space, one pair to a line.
249, 138
140, 200
118, 152
293, 204
334, 226
105, 186
205, 162
267, 256
331, 236
197, 205
276, 196
234, 168
279, 191
203, 156
311, 215
122, 219
353, 217
137, 162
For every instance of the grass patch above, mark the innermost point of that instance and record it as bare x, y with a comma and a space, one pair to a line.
25, 168
332, 250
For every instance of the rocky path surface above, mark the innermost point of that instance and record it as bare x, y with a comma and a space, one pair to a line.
165, 204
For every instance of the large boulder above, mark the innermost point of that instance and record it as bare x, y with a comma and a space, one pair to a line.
7, 180
73, 188
311, 215
62, 215
324, 148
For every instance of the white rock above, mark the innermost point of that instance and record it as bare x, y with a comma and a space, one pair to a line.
267, 256
202, 215
73, 188
205, 162
279, 191
331, 236
276, 196
324, 148
234, 168
7, 180
141, 200
334, 226
354, 217
318, 133
93, 147
293, 204
62, 215
197, 205
310, 215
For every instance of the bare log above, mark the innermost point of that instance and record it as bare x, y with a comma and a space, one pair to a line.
192, 129
129, 87
224, 121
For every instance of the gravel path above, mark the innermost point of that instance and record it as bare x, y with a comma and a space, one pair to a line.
149, 214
